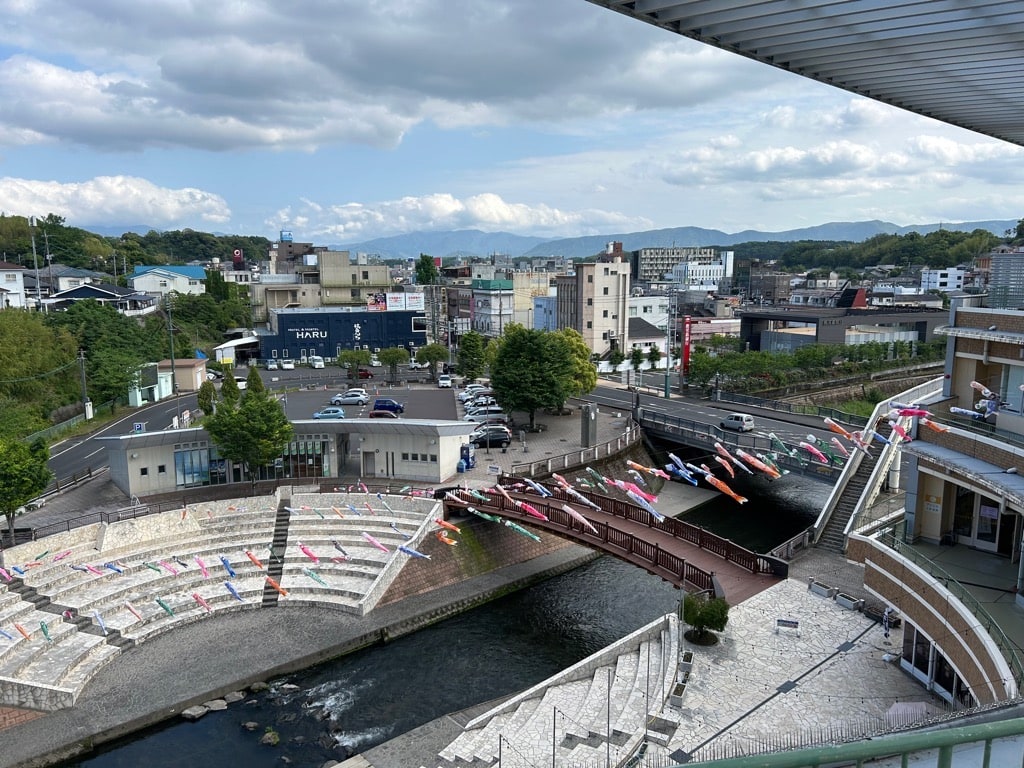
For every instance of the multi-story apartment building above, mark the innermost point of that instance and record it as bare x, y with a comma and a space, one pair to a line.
690, 268
493, 306
349, 280
594, 299
1006, 278
944, 280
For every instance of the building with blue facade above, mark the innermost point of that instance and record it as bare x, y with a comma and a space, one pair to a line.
297, 333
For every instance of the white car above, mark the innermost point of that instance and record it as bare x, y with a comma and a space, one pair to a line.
287, 365
444, 381
351, 397
415, 366
470, 392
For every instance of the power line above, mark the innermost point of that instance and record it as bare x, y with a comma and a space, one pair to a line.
54, 372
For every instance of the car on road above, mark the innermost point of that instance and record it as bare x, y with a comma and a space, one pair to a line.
331, 412
415, 365
287, 365
364, 373
444, 381
388, 404
382, 415
741, 422
491, 435
351, 397
271, 365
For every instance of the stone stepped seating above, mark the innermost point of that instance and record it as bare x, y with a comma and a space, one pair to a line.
18, 654
74, 652
26, 615
485, 740
592, 714
536, 730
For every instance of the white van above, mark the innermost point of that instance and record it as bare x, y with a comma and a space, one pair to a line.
741, 422
315, 361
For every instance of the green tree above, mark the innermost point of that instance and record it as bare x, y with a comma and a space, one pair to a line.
113, 374
653, 356
471, 356
426, 270
392, 357
352, 359
530, 371
581, 373
705, 615
230, 394
24, 475
432, 354
252, 433
616, 358
207, 397
636, 360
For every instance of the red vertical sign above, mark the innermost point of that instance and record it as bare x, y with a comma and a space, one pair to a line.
686, 345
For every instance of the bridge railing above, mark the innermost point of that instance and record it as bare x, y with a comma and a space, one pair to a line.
702, 435
802, 409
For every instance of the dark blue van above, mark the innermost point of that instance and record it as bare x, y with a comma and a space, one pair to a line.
387, 404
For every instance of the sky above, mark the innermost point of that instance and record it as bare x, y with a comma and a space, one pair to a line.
344, 121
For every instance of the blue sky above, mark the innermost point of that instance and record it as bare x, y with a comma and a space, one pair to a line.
344, 121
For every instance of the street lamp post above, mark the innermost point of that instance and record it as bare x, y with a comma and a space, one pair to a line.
35, 263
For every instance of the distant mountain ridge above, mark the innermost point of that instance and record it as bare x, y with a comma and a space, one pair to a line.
473, 242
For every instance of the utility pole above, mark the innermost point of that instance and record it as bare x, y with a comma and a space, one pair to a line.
86, 405
49, 259
35, 263
174, 372
668, 352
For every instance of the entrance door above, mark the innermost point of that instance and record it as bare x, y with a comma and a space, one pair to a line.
1007, 534
369, 464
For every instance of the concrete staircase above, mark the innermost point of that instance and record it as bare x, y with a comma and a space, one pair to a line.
832, 538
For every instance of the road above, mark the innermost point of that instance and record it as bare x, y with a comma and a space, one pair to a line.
308, 390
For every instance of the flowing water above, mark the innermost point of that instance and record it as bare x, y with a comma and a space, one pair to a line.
351, 704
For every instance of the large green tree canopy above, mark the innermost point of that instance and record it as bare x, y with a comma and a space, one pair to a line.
24, 475
531, 371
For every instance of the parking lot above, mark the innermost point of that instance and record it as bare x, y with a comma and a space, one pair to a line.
421, 401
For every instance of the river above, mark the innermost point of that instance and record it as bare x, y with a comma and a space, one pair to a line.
351, 704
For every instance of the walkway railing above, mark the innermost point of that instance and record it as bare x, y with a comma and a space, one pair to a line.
803, 409
580, 458
985, 621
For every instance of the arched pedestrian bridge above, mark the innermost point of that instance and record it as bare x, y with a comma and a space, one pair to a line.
682, 554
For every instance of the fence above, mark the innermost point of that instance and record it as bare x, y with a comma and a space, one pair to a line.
58, 429
582, 457
794, 408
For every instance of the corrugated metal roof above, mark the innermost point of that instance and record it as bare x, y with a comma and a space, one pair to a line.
958, 61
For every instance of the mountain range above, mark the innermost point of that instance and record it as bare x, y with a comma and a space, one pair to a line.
472, 242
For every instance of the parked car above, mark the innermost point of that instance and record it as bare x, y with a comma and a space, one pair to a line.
287, 365
315, 361
415, 365
388, 404
444, 381
741, 422
351, 397
479, 402
382, 415
214, 375
272, 365
470, 392
364, 373
242, 383
375, 362
491, 435
331, 412
489, 413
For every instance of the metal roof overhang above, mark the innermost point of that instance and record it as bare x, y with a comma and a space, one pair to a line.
993, 479
958, 61
1008, 337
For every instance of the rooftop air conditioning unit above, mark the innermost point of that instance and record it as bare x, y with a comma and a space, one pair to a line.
366, 346
376, 350
612, 334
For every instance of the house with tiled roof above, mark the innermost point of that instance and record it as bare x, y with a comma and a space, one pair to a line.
127, 301
162, 280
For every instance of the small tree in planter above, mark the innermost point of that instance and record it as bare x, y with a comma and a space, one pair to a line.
705, 615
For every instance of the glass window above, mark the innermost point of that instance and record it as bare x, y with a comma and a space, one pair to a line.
161, 469
144, 471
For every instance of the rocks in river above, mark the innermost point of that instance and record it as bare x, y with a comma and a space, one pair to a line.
194, 713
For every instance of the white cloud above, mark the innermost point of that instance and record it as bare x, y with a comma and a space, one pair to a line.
120, 199
352, 222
